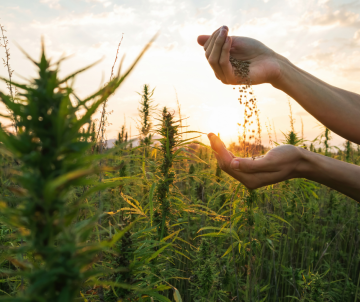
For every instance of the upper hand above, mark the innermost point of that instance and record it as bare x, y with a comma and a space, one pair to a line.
264, 66
279, 164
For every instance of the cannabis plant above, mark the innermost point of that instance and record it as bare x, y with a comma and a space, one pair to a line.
169, 133
51, 148
122, 136
145, 110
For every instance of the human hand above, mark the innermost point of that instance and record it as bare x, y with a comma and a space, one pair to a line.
279, 164
264, 63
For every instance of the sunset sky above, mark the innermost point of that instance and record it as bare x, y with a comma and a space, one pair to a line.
322, 37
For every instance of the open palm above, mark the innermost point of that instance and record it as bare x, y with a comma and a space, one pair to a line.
281, 163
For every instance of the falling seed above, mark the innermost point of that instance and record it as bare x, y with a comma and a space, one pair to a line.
242, 73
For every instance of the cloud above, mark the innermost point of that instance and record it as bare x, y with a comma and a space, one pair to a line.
161, 1
330, 16
334, 61
166, 11
119, 15
357, 36
52, 3
171, 46
322, 58
105, 3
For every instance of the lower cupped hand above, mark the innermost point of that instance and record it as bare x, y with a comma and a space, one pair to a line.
279, 164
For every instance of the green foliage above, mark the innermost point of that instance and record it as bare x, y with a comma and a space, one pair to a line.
170, 137
122, 136
145, 111
292, 138
173, 227
51, 148
348, 151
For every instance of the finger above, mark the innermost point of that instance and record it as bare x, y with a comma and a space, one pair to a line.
216, 51
218, 146
206, 45
209, 47
224, 60
248, 165
217, 157
202, 39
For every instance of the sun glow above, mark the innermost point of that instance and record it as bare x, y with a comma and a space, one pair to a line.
224, 121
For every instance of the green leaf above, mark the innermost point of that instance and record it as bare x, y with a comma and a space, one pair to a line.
230, 249
157, 296
118, 235
151, 205
177, 295
154, 255
281, 219
176, 251
51, 187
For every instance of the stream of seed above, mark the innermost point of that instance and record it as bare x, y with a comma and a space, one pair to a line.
251, 111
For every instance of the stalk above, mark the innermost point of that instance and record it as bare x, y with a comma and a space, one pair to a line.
10, 71
169, 133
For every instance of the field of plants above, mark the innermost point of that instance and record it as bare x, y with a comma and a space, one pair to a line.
160, 221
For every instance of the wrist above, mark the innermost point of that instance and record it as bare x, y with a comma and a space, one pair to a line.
307, 164
284, 67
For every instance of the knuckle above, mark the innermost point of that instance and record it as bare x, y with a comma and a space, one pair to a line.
219, 41
212, 61
223, 62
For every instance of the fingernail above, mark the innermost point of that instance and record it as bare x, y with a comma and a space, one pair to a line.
235, 164
224, 29
210, 135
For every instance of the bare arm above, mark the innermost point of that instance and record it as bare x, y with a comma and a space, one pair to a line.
336, 174
337, 109
286, 162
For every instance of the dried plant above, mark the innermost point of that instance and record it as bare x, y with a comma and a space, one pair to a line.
101, 133
4, 42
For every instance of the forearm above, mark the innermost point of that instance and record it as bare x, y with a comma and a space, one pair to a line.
337, 109
336, 174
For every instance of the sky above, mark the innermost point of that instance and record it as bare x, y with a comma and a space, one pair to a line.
320, 36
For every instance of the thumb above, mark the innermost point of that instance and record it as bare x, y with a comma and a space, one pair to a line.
202, 39
249, 165
218, 146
